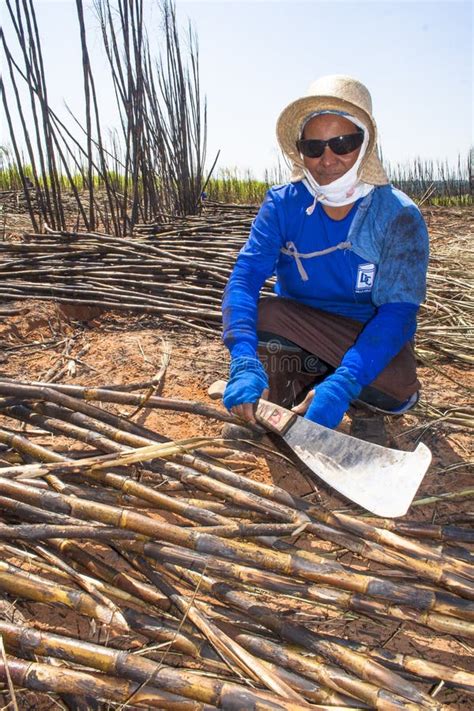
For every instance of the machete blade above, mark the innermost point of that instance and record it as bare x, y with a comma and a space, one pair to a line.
384, 481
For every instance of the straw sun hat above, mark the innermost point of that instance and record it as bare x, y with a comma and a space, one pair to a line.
336, 92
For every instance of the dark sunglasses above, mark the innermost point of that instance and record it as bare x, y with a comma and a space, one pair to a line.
340, 145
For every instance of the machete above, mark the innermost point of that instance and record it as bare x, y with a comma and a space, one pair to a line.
382, 480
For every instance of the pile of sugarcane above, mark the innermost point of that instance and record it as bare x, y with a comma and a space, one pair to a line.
178, 272
183, 584
446, 328
178, 276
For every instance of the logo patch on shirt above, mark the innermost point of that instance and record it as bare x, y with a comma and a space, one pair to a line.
365, 277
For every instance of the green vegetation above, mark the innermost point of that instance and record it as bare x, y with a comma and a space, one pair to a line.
10, 178
425, 181
436, 183
231, 187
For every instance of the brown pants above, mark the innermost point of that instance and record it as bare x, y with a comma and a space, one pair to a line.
327, 336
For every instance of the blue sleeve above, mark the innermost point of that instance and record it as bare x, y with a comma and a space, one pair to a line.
380, 340
256, 263
401, 272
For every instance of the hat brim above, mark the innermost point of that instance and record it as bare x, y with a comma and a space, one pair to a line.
291, 121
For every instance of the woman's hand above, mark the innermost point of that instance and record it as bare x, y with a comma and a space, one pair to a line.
303, 406
245, 411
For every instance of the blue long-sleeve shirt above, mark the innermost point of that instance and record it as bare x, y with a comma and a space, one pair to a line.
381, 262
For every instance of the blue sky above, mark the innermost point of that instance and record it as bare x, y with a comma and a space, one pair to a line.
257, 56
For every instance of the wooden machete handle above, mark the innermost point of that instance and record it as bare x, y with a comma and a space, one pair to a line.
273, 417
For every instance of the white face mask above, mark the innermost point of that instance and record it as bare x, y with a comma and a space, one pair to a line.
346, 189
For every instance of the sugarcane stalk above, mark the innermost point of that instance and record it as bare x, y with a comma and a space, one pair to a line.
92, 417
224, 509
141, 454
459, 552
420, 668
59, 427
119, 298
42, 392
47, 678
440, 570
118, 426
300, 563
128, 486
119, 593
34, 513
252, 530
312, 691
439, 532
29, 449
232, 653
464, 493
431, 571
129, 587
34, 451
335, 679
85, 584
316, 669
136, 668
122, 483
44, 531
311, 667
254, 578
276, 510
357, 664
16, 582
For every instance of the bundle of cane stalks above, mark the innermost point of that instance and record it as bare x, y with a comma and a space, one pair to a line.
138, 572
177, 272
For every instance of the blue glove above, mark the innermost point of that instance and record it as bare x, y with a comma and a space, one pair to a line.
332, 398
247, 381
